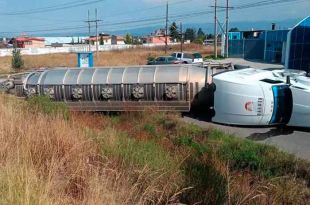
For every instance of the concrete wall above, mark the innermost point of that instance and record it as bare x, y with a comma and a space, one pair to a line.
71, 49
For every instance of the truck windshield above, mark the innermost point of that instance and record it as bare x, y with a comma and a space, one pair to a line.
283, 104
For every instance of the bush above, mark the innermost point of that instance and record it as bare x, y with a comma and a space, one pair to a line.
150, 58
17, 60
212, 57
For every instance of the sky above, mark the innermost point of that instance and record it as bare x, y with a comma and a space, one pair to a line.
62, 16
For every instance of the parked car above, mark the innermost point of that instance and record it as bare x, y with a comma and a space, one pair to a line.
197, 58
163, 60
187, 58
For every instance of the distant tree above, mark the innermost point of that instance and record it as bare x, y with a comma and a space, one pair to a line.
17, 60
210, 36
72, 41
136, 41
190, 34
201, 37
78, 41
235, 29
174, 32
128, 38
200, 33
101, 40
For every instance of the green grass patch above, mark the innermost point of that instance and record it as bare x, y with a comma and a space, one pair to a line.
134, 152
245, 154
44, 105
151, 129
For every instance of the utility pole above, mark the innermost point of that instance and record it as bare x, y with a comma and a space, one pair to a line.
226, 35
89, 33
88, 21
215, 28
97, 43
181, 30
166, 33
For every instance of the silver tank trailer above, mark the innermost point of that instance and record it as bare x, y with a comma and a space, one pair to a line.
165, 88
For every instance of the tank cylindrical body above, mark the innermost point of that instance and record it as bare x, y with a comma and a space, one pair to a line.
169, 87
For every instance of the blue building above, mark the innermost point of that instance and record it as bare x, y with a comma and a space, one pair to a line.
289, 47
298, 51
260, 45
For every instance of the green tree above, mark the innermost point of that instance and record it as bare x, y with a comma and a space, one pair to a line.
210, 36
235, 29
101, 40
174, 32
17, 60
201, 37
128, 38
200, 34
190, 34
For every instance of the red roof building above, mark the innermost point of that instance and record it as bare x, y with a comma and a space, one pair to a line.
29, 42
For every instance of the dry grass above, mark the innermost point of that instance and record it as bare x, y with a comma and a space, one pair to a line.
136, 56
48, 160
133, 158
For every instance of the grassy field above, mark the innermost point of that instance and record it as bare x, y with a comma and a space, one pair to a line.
51, 156
136, 56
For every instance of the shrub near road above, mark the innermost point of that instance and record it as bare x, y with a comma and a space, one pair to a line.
48, 157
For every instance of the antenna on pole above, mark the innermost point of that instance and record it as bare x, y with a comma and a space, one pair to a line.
166, 33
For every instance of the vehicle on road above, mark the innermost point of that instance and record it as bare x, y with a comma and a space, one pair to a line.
188, 58
164, 60
197, 58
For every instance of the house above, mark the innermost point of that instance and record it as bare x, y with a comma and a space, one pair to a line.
118, 40
29, 42
3, 42
105, 39
158, 37
61, 41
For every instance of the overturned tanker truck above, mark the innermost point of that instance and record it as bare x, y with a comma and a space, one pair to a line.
164, 88
248, 97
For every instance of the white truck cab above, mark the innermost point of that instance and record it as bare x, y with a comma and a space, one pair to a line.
251, 97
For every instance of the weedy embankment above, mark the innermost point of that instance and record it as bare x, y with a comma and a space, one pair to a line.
51, 156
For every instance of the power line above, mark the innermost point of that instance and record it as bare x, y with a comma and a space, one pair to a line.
156, 19
63, 6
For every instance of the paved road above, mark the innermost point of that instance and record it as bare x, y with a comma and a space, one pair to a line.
291, 140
